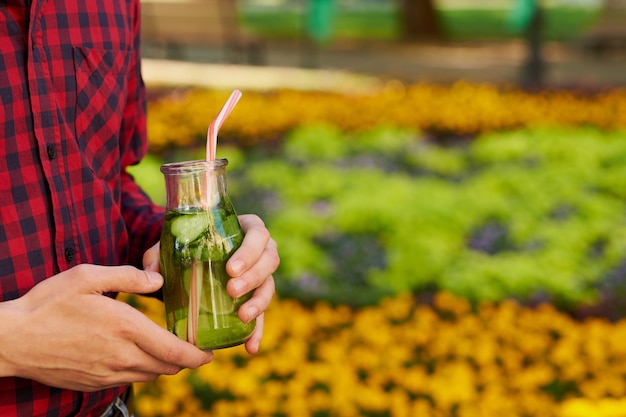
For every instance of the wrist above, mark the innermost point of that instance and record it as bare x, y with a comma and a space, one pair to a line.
11, 319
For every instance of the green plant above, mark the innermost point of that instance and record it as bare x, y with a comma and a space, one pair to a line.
532, 213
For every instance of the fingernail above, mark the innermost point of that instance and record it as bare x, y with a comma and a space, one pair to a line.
237, 267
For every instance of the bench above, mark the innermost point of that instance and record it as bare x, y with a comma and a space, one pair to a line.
175, 25
609, 31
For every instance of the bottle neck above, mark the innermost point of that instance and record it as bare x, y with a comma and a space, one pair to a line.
195, 185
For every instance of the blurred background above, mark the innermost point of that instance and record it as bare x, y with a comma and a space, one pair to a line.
446, 181
558, 41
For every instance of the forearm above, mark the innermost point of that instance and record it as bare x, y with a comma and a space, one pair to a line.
11, 315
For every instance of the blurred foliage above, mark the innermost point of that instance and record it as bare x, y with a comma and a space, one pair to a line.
180, 118
474, 21
404, 358
373, 198
531, 213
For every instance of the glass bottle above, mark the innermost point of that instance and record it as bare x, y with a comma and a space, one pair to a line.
200, 233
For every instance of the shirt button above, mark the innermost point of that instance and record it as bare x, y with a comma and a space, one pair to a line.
52, 152
69, 254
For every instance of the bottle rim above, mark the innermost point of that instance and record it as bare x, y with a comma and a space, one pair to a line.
193, 167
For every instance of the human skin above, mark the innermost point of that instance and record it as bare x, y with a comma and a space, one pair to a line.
65, 334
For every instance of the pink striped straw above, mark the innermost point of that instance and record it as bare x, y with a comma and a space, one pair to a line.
214, 127
197, 273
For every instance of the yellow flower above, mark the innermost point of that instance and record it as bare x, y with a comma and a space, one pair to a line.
583, 407
532, 377
452, 383
180, 119
447, 302
421, 407
398, 308
405, 359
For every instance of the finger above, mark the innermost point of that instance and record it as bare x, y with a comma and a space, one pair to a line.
126, 378
134, 366
140, 362
255, 276
101, 279
150, 259
259, 302
252, 345
167, 347
256, 237
249, 221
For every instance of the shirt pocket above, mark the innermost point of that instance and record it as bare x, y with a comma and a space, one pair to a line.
101, 84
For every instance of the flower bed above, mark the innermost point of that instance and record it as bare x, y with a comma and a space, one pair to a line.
180, 118
404, 358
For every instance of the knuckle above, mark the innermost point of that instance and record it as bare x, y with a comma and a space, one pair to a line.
126, 327
263, 232
172, 356
274, 259
81, 269
172, 370
127, 270
123, 364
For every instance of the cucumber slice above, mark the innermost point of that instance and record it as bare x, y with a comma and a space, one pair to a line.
189, 227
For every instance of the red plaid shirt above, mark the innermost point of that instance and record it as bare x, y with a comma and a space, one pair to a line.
72, 118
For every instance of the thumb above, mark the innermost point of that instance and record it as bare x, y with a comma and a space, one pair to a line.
151, 258
101, 279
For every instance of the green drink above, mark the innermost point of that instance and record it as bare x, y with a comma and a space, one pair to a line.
200, 233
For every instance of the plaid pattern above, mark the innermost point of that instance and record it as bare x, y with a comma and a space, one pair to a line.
72, 117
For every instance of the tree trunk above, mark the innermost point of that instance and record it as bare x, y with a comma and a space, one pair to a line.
534, 67
420, 21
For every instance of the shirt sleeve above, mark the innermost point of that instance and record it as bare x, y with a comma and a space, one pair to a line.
143, 218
